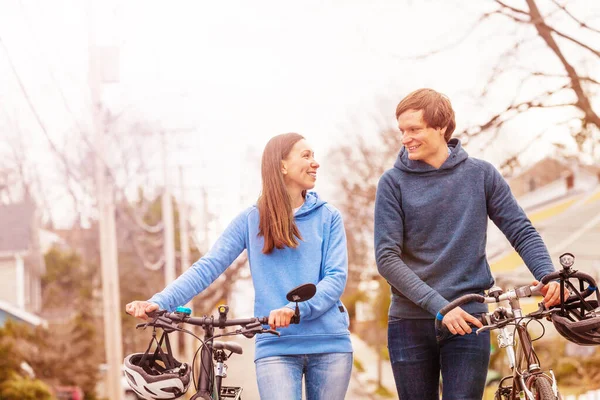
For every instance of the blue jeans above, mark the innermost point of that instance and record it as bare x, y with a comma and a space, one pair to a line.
327, 376
417, 360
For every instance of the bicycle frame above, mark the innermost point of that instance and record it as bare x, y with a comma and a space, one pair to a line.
522, 379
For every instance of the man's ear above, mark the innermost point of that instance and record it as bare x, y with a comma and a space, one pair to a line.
443, 130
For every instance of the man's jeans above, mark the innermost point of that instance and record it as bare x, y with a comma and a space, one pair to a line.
417, 360
327, 376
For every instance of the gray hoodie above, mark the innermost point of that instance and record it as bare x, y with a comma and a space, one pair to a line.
430, 231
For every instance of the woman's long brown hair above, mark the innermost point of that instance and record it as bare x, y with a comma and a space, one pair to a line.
277, 223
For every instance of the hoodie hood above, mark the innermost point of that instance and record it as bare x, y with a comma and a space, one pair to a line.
312, 202
456, 157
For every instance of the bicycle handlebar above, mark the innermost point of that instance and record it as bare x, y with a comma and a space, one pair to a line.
582, 276
207, 320
169, 320
524, 291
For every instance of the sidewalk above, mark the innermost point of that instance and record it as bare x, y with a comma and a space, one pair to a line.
364, 384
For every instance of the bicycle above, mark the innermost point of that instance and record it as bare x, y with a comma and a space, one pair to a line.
528, 379
208, 386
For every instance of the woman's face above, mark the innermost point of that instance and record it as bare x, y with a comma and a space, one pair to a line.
299, 168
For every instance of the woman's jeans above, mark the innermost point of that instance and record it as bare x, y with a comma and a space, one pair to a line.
417, 360
326, 376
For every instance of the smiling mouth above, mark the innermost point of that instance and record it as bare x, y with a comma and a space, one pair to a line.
313, 174
413, 148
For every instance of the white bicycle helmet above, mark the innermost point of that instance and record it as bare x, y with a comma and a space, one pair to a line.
157, 375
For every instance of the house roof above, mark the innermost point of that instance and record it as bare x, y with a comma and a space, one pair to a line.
8, 311
15, 220
568, 163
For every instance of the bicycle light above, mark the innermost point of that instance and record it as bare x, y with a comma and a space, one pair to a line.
567, 260
223, 309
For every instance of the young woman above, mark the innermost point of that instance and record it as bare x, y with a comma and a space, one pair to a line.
292, 237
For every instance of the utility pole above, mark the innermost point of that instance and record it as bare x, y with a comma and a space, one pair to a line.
107, 229
168, 228
184, 245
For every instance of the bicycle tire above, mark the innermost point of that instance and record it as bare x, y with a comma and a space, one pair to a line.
543, 389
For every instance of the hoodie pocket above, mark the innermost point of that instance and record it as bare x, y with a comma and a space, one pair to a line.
343, 312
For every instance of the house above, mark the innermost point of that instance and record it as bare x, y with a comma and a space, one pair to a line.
9, 311
562, 199
551, 179
21, 261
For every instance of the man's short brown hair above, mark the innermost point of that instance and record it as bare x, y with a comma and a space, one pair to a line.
436, 107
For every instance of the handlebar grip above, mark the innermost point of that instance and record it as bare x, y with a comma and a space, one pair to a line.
468, 298
551, 277
155, 313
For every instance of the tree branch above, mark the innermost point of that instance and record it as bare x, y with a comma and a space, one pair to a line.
453, 44
578, 21
583, 102
577, 42
514, 9
499, 119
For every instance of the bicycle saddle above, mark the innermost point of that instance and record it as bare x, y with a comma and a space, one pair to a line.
231, 346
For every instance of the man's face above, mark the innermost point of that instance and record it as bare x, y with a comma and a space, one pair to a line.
422, 142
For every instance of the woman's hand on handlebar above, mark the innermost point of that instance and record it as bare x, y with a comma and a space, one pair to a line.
457, 321
280, 318
139, 309
551, 293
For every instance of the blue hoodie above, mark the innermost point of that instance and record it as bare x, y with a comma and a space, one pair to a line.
431, 231
320, 258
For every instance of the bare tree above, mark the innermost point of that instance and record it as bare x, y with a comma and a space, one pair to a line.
564, 84
359, 164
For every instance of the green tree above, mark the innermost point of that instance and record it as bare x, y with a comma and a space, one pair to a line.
21, 388
68, 353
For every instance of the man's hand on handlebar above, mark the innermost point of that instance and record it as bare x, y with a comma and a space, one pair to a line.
457, 321
280, 318
551, 293
139, 309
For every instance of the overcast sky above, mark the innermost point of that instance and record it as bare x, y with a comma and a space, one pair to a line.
223, 77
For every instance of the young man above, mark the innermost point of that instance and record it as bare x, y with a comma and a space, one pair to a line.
431, 217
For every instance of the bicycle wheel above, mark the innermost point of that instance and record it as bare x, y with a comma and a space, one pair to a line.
542, 389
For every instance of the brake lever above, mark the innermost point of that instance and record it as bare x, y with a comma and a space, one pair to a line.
271, 331
159, 322
541, 311
250, 332
485, 329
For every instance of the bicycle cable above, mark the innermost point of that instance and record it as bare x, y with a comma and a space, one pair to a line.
205, 369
